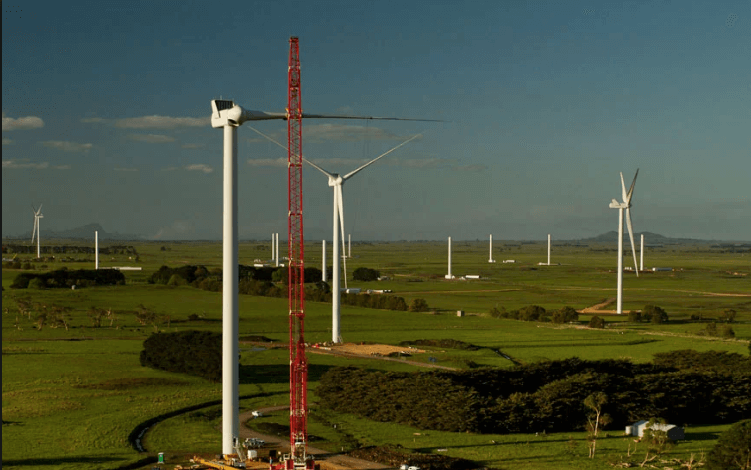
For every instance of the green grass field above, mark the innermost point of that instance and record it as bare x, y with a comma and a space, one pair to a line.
71, 397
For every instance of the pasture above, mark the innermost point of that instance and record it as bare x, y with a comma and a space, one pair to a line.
71, 397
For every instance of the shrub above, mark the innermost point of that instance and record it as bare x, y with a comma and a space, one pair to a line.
498, 313
634, 316
280, 275
37, 283
532, 313
365, 274
191, 352
733, 448
596, 322
565, 315
176, 280
726, 331
418, 305
654, 314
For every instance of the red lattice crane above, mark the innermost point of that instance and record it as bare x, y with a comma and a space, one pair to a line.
298, 369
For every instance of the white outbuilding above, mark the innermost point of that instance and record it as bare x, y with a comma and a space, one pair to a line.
674, 432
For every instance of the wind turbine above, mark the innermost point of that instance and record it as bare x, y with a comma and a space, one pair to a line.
625, 204
229, 116
37, 215
336, 181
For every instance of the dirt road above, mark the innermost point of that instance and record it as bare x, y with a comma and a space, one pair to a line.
327, 460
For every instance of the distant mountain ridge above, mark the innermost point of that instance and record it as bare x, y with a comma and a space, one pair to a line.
85, 232
650, 238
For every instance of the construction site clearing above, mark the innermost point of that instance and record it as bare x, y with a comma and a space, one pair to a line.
363, 349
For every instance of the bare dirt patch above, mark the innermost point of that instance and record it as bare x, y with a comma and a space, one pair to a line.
372, 349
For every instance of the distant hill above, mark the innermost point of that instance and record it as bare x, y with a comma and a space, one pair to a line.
85, 232
649, 239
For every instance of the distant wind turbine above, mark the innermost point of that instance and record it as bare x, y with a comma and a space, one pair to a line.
37, 215
336, 181
625, 204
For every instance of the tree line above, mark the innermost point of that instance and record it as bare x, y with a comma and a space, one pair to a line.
547, 396
64, 278
63, 249
266, 282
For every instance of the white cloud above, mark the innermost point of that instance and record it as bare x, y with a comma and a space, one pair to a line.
125, 169
199, 167
151, 138
22, 123
7, 141
192, 146
67, 146
13, 164
282, 162
161, 122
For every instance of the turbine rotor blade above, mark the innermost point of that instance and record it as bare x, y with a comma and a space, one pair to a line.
631, 189
339, 116
340, 205
353, 173
330, 175
34, 232
267, 137
631, 236
623, 189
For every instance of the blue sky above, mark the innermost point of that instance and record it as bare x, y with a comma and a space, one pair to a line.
106, 109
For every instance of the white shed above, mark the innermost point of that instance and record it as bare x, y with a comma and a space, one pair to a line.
674, 432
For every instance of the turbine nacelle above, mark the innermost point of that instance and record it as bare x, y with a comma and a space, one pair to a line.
227, 113
335, 180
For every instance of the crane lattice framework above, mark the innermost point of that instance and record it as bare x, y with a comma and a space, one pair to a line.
298, 370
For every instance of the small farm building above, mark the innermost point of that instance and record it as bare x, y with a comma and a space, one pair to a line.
674, 432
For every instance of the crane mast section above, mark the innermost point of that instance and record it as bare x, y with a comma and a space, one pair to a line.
298, 370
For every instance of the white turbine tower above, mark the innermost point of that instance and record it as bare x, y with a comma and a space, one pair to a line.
37, 215
548, 249
323, 261
96, 249
641, 254
625, 204
276, 255
336, 181
229, 116
491, 260
449, 275
349, 245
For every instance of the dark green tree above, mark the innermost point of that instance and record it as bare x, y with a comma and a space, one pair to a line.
596, 322
418, 305
532, 313
365, 274
654, 314
634, 316
733, 448
565, 315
